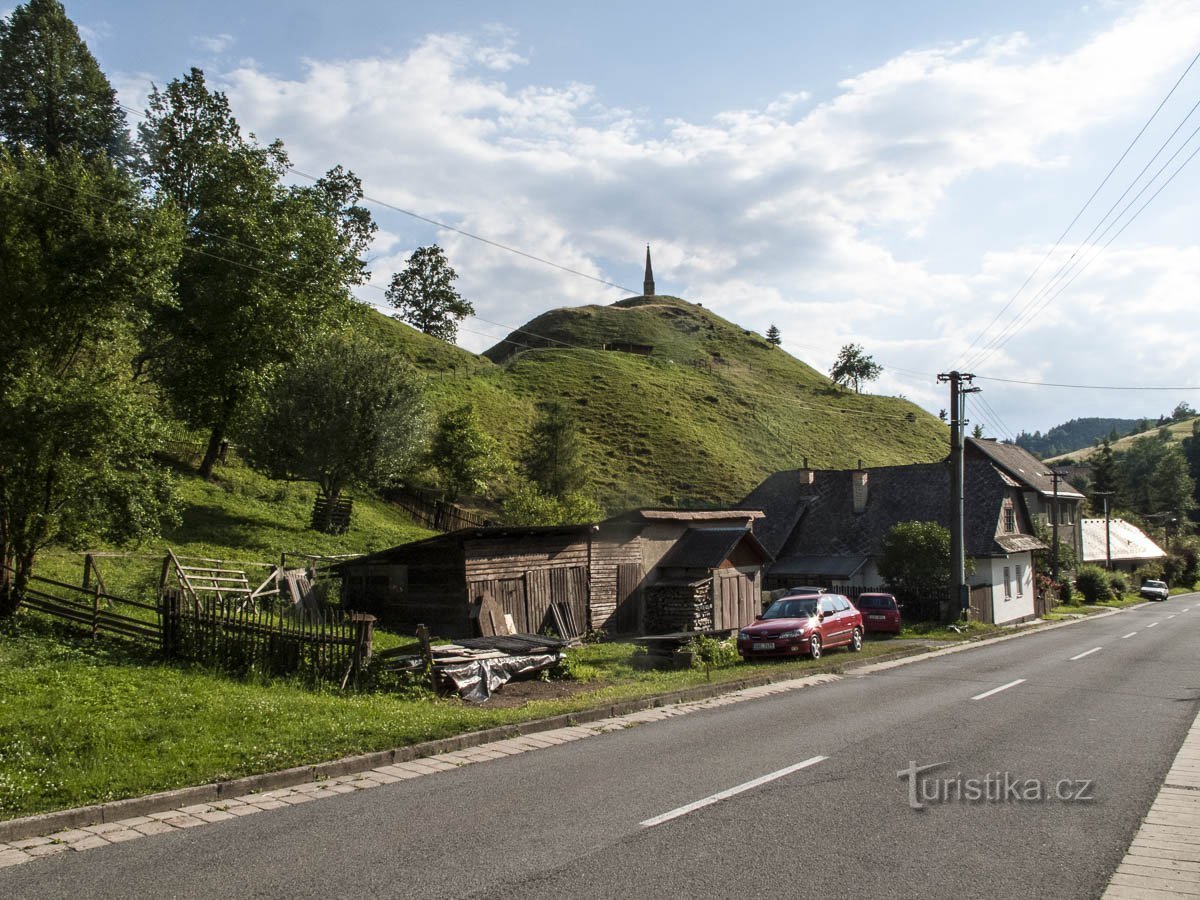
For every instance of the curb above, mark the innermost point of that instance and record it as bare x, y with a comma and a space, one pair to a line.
116, 810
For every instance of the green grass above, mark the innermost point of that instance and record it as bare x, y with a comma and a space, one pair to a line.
970, 631
84, 722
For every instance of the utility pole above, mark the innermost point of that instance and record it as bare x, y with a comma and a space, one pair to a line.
1055, 474
1107, 529
958, 557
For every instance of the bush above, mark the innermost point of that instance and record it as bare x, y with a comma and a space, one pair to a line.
1066, 594
1119, 584
709, 653
1093, 582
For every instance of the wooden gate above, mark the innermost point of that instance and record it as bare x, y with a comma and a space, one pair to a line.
981, 603
628, 617
735, 600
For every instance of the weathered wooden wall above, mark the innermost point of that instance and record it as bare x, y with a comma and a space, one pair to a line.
425, 587
527, 574
617, 577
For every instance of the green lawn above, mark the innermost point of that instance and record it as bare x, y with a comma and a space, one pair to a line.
84, 722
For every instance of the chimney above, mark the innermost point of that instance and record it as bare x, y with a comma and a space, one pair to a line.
805, 474
858, 483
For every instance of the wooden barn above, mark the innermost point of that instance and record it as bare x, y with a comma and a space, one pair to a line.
605, 574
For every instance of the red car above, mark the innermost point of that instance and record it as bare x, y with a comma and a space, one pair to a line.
798, 625
880, 612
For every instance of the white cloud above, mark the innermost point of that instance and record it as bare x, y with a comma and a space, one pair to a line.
790, 213
214, 43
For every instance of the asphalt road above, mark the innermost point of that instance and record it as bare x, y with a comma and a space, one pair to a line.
608, 816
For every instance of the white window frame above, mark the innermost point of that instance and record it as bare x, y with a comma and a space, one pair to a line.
1020, 581
1007, 583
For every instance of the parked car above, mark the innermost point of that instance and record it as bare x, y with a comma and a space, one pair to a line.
1154, 590
806, 589
880, 612
802, 624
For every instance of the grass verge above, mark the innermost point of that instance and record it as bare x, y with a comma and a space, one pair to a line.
84, 722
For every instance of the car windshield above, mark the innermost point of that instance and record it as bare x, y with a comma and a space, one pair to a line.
1155, 584
792, 609
876, 603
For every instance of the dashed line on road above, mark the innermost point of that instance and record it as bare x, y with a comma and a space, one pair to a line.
1152, 624
1171, 616
1131, 634
1003, 687
731, 792
1085, 653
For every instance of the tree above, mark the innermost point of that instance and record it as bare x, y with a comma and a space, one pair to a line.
527, 505
942, 414
977, 432
264, 266
916, 558
1104, 471
466, 457
1182, 411
344, 413
425, 295
1135, 469
86, 262
553, 459
53, 95
774, 338
853, 366
1171, 488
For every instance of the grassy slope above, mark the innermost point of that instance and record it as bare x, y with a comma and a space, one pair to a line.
1177, 431
703, 419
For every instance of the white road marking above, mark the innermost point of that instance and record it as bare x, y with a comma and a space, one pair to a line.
731, 792
1131, 634
1085, 653
1170, 617
1003, 687
1152, 624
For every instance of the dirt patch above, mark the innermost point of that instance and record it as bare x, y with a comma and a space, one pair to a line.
518, 693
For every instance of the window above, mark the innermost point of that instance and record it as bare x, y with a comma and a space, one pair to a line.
1007, 583
1010, 519
1020, 581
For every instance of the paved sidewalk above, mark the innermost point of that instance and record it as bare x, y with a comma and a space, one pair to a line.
1164, 858
204, 814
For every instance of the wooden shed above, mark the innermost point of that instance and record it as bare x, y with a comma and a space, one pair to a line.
437, 581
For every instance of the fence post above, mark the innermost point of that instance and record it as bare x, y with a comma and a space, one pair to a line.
426, 653
96, 611
364, 637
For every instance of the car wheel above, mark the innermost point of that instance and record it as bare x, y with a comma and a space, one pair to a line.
856, 640
814, 646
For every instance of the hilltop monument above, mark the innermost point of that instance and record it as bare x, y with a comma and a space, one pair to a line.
648, 284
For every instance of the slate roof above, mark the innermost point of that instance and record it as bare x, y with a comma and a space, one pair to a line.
707, 548
460, 537
818, 520
1022, 465
1128, 541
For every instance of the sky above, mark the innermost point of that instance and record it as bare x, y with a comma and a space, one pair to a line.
950, 185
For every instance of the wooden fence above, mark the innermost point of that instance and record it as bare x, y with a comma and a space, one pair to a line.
92, 608
333, 647
432, 511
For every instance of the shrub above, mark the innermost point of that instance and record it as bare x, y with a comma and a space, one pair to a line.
709, 653
1093, 583
1119, 584
1066, 594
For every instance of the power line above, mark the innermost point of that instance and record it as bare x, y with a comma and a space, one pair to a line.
1088, 387
1083, 208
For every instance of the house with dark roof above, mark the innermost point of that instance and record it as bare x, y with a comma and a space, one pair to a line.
827, 528
644, 571
1046, 498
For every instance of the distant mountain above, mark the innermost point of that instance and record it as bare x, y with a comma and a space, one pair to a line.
1077, 434
676, 404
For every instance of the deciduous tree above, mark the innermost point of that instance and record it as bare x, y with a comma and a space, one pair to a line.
465, 456
344, 413
425, 296
554, 457
916, 558
853, 367
264, 266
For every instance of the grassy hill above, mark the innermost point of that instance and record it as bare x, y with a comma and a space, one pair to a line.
1176, 432
710, 411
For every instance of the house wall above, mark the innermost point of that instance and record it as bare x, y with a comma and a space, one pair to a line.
1069, 531
528, 573
1018, 603
615, 559
426, 588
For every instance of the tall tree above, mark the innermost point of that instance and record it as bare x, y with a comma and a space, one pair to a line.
264, 266
425, 296
345, 413
1104, 469
774, 337
466, 457
553, 458
86, 262
853, 367
916, 558
53, 95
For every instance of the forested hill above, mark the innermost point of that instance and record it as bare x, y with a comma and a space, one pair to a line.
1076, 434
676, 404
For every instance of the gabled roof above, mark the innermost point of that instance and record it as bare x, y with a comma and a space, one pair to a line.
707, 548
818, 520
1019, 463
687, 515
1128, 541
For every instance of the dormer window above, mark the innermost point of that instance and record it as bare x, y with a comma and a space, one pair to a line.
1010, 518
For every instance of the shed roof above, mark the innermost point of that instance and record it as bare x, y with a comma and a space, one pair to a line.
1128, 541
707, 548
687, 515
1023, 466
463, 535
